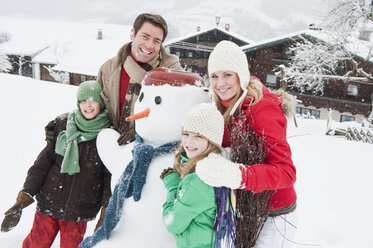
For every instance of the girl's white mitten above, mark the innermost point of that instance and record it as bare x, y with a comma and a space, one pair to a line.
217, 171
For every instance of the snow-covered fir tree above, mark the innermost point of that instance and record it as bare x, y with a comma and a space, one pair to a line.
20, 63
316, 61
5, 65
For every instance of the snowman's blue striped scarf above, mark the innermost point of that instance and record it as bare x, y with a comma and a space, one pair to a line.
130, 183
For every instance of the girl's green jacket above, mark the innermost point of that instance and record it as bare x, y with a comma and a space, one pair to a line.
189, 211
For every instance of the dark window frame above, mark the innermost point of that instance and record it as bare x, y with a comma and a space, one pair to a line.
270, 84
344, 118
314, 112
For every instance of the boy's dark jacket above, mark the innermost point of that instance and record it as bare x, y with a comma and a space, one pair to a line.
78, 197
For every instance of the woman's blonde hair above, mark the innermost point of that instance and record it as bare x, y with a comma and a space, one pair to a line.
191, 164
254, 91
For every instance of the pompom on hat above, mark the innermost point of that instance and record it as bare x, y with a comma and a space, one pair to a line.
228, 56
90, 90
205, 119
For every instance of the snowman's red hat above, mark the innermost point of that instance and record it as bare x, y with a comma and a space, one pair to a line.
164, 76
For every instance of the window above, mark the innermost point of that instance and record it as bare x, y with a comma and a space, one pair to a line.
271, 80
352, 90
308, 112
177, 54
347, 118
83, 78
190, 55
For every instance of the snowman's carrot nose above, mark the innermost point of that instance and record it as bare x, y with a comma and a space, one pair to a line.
139, 115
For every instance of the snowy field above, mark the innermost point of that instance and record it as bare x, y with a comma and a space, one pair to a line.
333, 185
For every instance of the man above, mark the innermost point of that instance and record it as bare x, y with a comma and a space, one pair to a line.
121, 76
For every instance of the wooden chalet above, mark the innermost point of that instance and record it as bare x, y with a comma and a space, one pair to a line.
83, 57
43, 64
348, 101
194, 49
22, 64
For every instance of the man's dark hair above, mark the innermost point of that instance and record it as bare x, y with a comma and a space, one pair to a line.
154, 19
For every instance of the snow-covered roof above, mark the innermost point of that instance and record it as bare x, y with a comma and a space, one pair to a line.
26, 37
85, 56
271, 41
237, 36
73, 47
359, 48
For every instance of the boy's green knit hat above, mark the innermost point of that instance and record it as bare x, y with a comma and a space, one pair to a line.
90, 90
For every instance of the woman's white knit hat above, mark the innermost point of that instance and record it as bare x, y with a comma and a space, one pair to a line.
229, 57
205, 119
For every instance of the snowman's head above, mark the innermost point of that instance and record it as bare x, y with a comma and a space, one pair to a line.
165, 96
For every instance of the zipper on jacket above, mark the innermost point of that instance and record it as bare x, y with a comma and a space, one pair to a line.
72, 188
68, 199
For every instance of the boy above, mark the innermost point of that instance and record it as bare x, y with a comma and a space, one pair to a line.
69, 180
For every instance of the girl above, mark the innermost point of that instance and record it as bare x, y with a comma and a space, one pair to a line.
245, 102
69, 180
190, 209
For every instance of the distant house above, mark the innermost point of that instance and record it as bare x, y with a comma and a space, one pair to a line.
47, 61
24, 40
21, 61
77, 49
87, 54
348, 101
81, 56
194, 49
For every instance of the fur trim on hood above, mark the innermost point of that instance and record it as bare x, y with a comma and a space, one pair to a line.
288, 104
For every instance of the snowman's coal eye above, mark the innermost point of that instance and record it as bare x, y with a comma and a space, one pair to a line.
141, 96
157, 100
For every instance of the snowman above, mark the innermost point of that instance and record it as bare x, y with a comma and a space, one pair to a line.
134, 214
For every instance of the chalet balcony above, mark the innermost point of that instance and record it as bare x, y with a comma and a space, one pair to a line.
341, 105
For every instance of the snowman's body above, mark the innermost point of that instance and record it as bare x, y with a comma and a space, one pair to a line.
141, 223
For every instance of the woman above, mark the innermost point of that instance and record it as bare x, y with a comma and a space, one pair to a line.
244, 100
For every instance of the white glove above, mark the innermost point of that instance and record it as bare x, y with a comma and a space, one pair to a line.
217, 171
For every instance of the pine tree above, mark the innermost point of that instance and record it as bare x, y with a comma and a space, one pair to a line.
5, 65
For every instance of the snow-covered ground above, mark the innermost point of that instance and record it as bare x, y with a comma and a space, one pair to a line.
333, 185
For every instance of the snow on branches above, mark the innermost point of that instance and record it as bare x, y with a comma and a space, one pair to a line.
5, 65
345, 15
61, 77
314, 61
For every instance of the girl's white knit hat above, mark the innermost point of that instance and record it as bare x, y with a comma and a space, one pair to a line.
205, 119
228, 56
